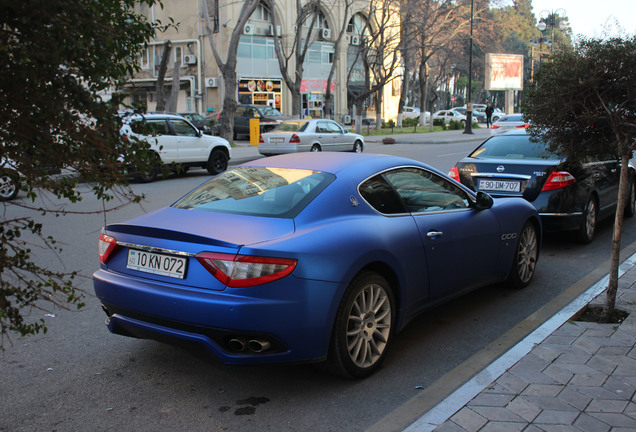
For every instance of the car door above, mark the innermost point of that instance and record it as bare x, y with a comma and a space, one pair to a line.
158, 134
462, 244
191, 147
342, 141
325, 136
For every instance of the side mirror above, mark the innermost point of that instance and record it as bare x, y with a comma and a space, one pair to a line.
484, 201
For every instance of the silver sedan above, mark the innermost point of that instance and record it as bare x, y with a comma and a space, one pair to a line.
294, 136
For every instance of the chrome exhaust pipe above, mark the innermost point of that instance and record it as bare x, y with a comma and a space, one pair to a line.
258, 346
236, 345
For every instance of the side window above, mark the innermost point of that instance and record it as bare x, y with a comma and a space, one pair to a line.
334, 128
182, 128
423, 191
381, 196
321, 127
149, 127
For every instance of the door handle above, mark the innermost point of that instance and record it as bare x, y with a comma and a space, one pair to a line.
434, 234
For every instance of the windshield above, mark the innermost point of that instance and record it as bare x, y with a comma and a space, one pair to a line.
291, 126
270, 112
513, 147
256, 191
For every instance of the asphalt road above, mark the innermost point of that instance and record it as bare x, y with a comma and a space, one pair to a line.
79, 377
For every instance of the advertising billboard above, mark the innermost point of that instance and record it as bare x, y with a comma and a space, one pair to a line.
504, 72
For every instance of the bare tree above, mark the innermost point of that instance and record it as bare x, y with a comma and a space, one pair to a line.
302, 40
377, 58
228, 67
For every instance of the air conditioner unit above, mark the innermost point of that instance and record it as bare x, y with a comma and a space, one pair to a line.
248, 29
190, 59
211, 82
325, 34
346, 119
355, 40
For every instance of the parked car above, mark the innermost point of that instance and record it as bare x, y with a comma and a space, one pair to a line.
268, 118
448, 115
9, 181
412, 112
309, 257
508, 122
199, 121
568, 196
479, 117
293, 136
176, 142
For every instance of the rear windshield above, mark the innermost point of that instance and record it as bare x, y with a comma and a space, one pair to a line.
256, 191
291, 126
512, 118
513, 147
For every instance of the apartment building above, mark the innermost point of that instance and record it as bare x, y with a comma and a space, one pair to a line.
259, 78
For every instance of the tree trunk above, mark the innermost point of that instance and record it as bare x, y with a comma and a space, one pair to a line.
160, 88
174, 90
610, 301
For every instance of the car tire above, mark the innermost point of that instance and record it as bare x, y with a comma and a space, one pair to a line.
525, 258
217, 162
9, 184
363, 327
586, 231
630, 205
151, 175
357, 147
316, 148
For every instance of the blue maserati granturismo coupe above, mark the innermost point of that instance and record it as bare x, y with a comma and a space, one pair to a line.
315, 257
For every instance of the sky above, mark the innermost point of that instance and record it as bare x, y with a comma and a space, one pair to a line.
594, 18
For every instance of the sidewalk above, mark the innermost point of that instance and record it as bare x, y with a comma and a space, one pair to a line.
579, 377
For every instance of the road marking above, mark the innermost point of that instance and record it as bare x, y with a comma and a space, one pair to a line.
438, 402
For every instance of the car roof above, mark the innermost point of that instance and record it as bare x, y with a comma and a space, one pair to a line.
153, 116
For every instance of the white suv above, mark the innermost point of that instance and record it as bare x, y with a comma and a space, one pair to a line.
176, 142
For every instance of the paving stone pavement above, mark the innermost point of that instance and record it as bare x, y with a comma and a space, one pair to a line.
580, 378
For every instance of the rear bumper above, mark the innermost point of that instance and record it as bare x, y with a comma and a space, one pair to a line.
293, 318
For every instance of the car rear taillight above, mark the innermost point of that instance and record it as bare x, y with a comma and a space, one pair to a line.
107, 245
454, 173
239, 271
260, 139
494, 127
558, 180
295, 139
523, 126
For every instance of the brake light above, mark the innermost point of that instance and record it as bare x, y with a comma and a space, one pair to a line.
494, 127
454, 173
107, 245
239, 271
558, 180
523, 126
295, 139
260, 139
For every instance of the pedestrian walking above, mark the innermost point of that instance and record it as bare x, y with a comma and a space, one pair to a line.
489, 111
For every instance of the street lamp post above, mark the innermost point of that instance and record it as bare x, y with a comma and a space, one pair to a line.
469, 105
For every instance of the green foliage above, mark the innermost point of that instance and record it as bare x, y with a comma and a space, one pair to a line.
439, 122
455, 125
57, 57
584, 100
410, 122
388, 125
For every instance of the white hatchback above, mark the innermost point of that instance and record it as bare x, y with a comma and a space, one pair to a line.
177, 142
